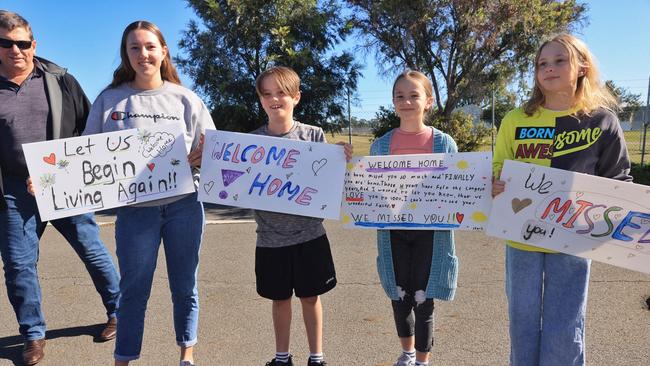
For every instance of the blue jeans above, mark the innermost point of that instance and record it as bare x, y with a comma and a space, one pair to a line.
138, 231
547, 302
20, 231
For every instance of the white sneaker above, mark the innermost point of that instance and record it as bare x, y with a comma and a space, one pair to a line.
404, 360
186, 363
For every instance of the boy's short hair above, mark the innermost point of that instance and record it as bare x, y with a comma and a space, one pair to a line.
288, 80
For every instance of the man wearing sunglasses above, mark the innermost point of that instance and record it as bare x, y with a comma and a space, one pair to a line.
40, 101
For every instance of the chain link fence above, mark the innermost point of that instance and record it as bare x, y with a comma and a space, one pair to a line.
638, 141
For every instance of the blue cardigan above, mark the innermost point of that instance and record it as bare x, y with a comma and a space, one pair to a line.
444, 263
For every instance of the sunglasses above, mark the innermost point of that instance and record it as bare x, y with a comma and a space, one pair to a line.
8, 43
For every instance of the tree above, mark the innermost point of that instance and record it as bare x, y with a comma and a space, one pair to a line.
466, 47
628, 103
504, 101
239, 39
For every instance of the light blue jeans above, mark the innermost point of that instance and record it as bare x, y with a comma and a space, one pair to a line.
138, 232
547, 302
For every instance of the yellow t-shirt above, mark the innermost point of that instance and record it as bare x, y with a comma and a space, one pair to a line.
590, 144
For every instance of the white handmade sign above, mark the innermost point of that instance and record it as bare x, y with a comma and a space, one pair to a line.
272, 174
419, 192
96, 172
579, 214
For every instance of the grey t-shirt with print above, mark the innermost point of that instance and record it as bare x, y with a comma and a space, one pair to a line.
275, 230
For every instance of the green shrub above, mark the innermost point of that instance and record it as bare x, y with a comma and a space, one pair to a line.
468, 136
641, 173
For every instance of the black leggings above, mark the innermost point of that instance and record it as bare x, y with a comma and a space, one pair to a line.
412, 251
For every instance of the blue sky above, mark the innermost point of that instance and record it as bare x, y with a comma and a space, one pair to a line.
84, 37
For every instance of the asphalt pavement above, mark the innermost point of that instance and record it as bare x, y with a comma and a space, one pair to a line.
235, 323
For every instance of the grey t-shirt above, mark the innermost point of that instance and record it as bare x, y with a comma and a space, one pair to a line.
123, 107
275, 230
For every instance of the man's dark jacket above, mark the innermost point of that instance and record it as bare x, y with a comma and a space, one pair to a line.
69, 107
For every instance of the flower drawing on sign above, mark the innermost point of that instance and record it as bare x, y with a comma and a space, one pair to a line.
47, 180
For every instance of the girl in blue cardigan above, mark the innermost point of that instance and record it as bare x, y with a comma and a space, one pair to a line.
415, 266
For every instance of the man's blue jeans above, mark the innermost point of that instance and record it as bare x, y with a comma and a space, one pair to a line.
20, 230
547, 302
138, 232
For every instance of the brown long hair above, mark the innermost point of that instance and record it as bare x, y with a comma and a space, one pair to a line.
590, 92
125, 73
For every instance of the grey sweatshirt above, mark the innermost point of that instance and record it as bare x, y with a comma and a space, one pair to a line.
123, 107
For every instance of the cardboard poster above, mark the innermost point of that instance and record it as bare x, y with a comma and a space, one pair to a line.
91, 173
419, 192
272, 174
579, 214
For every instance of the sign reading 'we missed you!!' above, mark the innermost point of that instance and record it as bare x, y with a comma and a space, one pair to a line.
419, 192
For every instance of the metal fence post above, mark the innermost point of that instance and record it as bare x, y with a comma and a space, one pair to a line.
645, 133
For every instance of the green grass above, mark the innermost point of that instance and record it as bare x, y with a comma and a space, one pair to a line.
361, 143
633, 139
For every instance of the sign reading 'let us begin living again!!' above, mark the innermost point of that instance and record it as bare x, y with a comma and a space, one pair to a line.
91, 173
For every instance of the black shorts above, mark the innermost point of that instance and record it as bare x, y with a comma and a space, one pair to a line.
307, 268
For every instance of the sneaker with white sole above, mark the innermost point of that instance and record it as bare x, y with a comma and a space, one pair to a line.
273, 362
186, 363
404, 360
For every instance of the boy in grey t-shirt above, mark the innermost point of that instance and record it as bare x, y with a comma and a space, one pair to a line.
293, 252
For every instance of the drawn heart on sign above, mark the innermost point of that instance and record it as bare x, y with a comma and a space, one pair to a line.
50, 159
518, 205
151, 166
207, 187
318, 165
459, 217
579, 194
392, 205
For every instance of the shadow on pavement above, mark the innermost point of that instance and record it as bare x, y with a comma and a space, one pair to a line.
11, 347
212, 212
